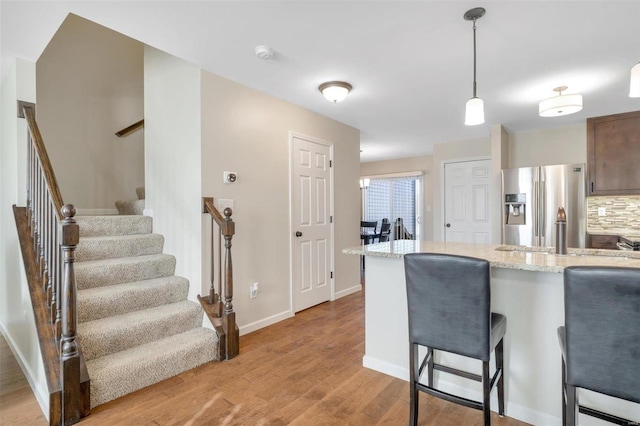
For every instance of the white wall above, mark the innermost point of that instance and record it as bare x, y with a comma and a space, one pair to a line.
424, 164
90, 85
172, 159
17, 322
558, 145
247, 132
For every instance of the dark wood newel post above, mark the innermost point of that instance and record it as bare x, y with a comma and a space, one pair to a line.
69, 357
229, 317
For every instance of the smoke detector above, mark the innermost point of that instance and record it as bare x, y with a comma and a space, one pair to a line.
264, 52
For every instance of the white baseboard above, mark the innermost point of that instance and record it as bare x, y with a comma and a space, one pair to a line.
147, 212
257, 325
348, 291
41, 394
512, 410
96, 212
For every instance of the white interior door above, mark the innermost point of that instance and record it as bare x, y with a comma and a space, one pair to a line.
466, 199
311, 223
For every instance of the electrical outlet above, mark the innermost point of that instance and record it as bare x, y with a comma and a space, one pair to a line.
602, 211
253, 290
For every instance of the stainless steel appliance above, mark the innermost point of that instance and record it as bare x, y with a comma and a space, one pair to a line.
532, 196
628, 243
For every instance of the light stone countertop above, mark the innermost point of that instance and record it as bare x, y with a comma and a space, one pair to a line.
541, 259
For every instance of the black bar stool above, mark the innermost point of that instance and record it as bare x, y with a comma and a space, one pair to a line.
600, 340
449, 302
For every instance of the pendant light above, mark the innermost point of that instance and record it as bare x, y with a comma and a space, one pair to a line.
560, 105
634, 87
474, 113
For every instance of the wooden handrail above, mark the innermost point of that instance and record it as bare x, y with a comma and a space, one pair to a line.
38, 144
54, 237
133, 127
229, 341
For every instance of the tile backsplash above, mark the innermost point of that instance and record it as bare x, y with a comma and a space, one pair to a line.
622, 214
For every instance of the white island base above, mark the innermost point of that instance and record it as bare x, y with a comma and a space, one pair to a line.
533, 304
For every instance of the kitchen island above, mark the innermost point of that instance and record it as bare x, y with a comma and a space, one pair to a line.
526, 286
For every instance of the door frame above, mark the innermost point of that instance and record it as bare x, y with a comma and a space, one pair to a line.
292, 237
443, 188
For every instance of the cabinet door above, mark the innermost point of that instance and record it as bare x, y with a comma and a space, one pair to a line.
613, 154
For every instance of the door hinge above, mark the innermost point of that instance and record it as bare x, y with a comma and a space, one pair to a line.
331, 274
330, 163
330, 219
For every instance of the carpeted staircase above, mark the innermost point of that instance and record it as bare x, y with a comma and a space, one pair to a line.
132, 206
135, 324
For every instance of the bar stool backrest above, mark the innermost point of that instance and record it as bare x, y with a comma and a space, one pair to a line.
449, 300
602, 323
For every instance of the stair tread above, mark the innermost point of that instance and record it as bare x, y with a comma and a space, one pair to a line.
118, 332
101, 302
120, 373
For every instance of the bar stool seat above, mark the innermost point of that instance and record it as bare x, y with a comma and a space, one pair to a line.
449, 299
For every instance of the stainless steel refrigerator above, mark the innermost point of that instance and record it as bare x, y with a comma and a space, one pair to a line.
531, 197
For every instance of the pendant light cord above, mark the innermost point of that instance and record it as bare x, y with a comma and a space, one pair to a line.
474, 58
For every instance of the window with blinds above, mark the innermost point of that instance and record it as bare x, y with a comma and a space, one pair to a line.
392, 198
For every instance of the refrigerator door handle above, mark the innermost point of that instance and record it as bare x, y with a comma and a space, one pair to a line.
543, 212
536, 210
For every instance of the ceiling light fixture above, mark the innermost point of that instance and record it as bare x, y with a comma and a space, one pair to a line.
560, 105
265, 52
335, 91
634, 87
474, 113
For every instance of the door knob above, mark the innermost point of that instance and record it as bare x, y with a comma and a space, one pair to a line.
298, 234
448, 225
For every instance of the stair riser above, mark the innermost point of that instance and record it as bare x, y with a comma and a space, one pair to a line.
133, 207
120, 299
100, 338
98, 226
98, 274
97, 248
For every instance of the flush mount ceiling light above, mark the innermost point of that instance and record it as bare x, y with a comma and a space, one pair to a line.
474, 113
561, 104
634, 87
335, 91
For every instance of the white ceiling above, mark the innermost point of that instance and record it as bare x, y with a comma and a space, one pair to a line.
410, 63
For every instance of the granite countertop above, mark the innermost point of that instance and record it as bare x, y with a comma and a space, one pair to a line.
542, 259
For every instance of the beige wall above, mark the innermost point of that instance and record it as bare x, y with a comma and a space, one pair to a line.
17, 322
247, 132
90, 85
423, 164
557, 145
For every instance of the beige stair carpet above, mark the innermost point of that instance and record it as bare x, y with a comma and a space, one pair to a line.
132, 207
135, 324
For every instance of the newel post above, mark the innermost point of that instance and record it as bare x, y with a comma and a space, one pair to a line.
229, 317
69, 357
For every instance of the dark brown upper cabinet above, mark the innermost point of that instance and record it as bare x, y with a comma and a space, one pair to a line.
613, 154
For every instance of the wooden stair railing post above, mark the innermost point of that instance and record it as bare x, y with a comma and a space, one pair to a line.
229, 316
69, 357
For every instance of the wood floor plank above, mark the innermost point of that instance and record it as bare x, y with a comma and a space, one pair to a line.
301, 371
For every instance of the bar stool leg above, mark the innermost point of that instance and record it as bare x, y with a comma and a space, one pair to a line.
430, 354
500, 366
414, 394
486, 393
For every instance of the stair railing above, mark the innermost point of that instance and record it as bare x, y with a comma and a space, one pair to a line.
130, 129
219, 303
55, 235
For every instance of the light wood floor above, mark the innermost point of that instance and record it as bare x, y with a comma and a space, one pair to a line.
306, 370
